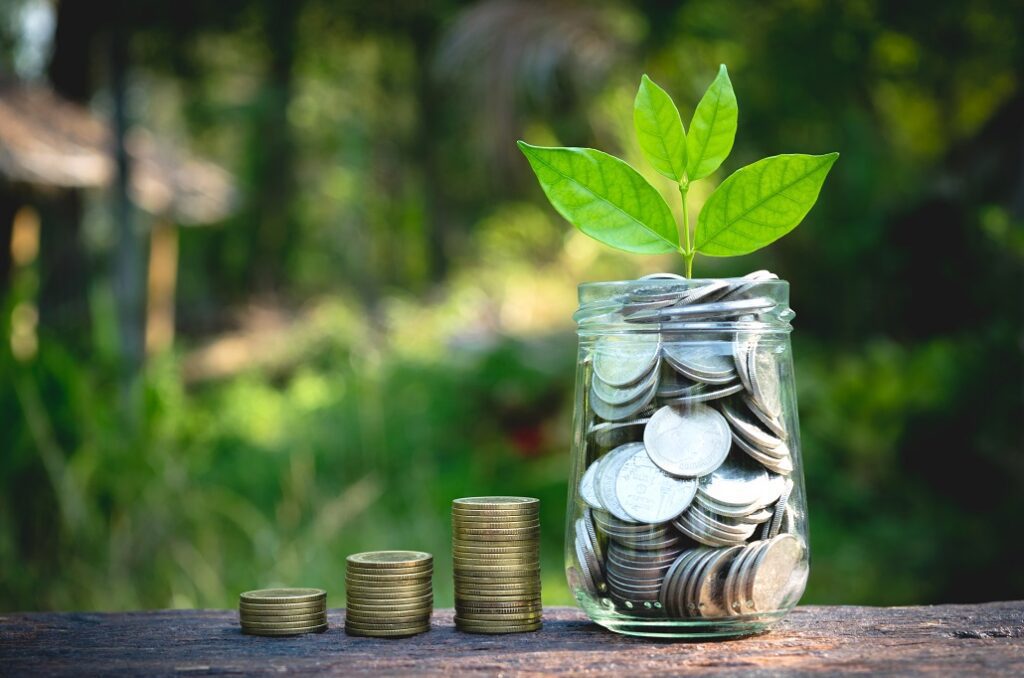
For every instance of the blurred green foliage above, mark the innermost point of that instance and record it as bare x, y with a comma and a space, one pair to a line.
421, 290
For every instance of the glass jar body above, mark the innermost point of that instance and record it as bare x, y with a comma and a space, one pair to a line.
687, 512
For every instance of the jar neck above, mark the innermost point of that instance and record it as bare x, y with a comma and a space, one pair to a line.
679, 305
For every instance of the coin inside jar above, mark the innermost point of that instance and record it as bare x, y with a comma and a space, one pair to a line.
687, 442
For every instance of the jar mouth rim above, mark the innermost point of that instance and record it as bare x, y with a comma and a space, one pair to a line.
612, 285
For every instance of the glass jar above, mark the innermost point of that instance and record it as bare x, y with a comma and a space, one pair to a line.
687, 514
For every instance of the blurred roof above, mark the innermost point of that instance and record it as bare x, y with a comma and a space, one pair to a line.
49, 141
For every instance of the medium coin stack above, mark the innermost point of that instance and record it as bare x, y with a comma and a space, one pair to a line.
496, 556
686, 499
389, 594
283, 612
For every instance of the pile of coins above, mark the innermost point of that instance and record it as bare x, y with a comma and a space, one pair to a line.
496, 557
686, 499
283, 612
389, 593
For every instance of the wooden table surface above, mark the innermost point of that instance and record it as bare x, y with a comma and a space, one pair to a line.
972, 640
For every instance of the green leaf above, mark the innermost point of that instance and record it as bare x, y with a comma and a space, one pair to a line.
605, 198
760, 203
659, 129
713, 128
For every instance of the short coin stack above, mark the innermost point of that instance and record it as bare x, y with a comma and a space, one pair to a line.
389, 594
496, 556
283, 612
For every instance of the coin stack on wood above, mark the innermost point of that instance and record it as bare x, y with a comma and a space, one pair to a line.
496, 556
389, 594
687, 490
283, 612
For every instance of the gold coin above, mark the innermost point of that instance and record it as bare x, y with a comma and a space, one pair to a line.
496, 565
390, 559
398, 603
514, 592
283, 596
495, 627
518, 617
497, 502
478, 577
276, 618
498, 606
320, 628
397, 607
470, 598
283, 626
388, 591
386, 626
412, 570
472, 521
283, 608
383, 633
356, 585
384, 598
380, 582
500, 539
470, 546
496, 527
402, 619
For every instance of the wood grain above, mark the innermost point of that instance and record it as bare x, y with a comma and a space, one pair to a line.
972, 640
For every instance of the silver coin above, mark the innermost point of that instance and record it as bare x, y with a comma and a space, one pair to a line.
607, 475
619, 529
636, 306
615, 433
589, 553
749, 426
588, 523
756, 518
710, 593
620, 395
737, 512
710, 292
738, 572
750, 284
587, 491
648, 494
621, 361
770, 573
586, 576
782, 466
704, 393
772, 528
740, 356
625, 411
702, 534
673, 541
672, 593
737, 482
700, 572
687, 442
672, 384
709, 311
622, 556
701, 362
763, 371
718, 524
667, 584
773, 424
745, 577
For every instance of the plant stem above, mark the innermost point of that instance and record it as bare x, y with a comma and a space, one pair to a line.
688, 251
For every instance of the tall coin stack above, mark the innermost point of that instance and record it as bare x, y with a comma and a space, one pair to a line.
496, 557
283, 612
389, 594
